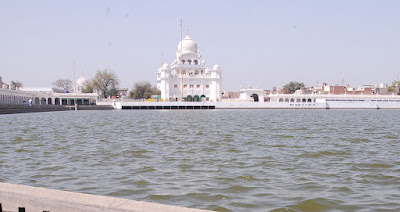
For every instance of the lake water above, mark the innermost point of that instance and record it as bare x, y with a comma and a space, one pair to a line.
225, 160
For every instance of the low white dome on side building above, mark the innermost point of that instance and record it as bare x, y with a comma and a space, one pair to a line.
81, 82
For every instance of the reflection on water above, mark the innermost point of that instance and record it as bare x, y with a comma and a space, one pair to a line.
224, 160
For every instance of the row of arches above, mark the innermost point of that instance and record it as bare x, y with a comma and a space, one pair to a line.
10, 99
195, 62
296, 100
195, 98
190, 72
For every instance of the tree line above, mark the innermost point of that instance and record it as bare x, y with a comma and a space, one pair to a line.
143, 90
395, 87
106, 83
292, 87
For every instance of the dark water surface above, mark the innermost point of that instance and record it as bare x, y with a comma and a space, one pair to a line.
225, 160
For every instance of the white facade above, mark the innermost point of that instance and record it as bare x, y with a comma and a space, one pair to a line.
80, 84
189, 71
252, 94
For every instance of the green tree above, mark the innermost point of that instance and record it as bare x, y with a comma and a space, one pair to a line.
89, 88
15, 85
143, 90
106, 83
395, 87
292, 87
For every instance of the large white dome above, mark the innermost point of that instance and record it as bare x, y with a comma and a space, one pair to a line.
188, 46
81, 82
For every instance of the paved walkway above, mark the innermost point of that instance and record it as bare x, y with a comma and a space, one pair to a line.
41, 199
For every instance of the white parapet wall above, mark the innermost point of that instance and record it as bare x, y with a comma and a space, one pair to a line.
41, 199
300, 102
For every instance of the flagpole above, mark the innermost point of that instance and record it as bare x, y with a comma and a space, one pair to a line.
74, 77
181, 60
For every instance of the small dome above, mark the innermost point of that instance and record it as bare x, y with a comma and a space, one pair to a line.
81, 82
216, 67
188, 45
165, 66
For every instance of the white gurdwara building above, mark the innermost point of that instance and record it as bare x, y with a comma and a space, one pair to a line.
190, 72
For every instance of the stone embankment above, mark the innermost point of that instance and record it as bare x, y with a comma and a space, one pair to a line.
25, 108
28, 198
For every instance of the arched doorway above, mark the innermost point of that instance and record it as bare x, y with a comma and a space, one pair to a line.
189, 98
56, 101
36, 100
49, 101
202, 97
196, 98
255, 97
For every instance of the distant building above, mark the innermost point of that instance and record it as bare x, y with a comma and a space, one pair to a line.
189, 73
252, 94
122, 92
47, 96
233, 95
335, 89
382, 91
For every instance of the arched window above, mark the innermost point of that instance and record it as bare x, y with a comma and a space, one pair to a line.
190, 62
304, 100
183, 61
298, 100
280, 100
291, 100
196, 62
286, 100
309, 100
202, 72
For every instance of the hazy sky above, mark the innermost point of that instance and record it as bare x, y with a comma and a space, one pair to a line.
258, 43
